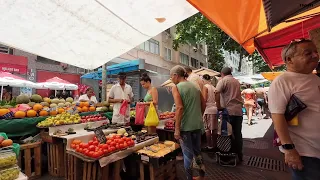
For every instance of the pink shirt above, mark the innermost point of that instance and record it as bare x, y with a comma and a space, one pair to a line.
306, 87
211, 107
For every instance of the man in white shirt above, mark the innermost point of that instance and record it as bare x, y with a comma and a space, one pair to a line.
118, 93
301, 143
194, 78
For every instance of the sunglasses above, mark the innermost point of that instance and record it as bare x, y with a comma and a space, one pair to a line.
295, 42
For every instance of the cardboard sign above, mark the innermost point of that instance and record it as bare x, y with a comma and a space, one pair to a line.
100, 136
73, 110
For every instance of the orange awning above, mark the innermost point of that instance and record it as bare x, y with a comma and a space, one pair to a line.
245, 20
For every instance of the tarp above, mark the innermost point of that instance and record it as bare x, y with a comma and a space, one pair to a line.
86, 33
244, 20
270, 46
130, 66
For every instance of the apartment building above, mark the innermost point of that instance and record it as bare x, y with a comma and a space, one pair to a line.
232, 60
160, 57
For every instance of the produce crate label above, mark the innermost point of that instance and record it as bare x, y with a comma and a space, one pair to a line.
46, 109
73, 110
145, 158
53, 109
100, 136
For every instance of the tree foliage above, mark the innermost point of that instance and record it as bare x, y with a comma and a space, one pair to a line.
198, 29
260, 66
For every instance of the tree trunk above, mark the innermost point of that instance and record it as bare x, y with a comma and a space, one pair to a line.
104, 83
240, 59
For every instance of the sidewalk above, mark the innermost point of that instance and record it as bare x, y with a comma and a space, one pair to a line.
261, 159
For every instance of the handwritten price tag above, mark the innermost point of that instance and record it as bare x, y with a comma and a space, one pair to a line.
100, 136
145, 158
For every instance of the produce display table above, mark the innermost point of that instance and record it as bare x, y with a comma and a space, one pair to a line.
165, 134
82, 167
27, 126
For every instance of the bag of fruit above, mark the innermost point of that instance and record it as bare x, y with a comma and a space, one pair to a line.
139, 114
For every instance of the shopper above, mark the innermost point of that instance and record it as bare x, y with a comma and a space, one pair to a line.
119, 93
210, 114
301, 143
229, 90
190, 106
249, 96
152, 92
194, 78
88, 96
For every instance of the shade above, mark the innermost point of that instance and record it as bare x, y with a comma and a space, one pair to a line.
244, 20
86, 33
8, 79
202, 71
56, 83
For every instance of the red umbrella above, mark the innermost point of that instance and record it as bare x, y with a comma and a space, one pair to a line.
58, 80
9, 75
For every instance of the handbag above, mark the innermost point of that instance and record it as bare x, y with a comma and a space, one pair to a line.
140, 109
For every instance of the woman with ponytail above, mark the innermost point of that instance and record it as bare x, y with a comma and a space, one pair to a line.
152, 92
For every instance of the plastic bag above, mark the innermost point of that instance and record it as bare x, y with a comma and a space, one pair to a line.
124, 108
139, 114
152, 118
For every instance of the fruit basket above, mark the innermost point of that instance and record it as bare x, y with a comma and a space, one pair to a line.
7, 158
11, 173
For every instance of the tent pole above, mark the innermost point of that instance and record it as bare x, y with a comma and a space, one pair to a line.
104, 83
1, 92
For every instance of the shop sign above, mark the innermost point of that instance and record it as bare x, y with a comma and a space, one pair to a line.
31, 75
12, 68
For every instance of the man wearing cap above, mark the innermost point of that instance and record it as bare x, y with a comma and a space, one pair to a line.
119, 93
228, 88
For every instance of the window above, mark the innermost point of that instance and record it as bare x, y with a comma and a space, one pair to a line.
167, 30
201, 64
167, 54
151, 46
184, 59
194, 63
5, 49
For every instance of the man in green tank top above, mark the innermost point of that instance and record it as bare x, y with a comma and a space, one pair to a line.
190, 106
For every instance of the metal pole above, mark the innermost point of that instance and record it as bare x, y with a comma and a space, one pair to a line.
1, 92
104, 83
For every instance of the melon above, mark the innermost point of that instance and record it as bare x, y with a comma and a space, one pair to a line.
74, 103
22, 99
104, 109
47, 100
55, 101
61, 105
53, 105
36, 98
110, 108
69, 99
106, 103
45, 103
31, 104
67, 104
62, 100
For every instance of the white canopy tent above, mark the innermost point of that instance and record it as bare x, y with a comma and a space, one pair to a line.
86, 33
251, 79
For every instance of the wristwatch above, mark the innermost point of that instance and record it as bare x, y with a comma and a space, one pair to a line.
288, 146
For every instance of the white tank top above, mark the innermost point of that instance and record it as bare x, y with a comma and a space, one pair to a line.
211, 107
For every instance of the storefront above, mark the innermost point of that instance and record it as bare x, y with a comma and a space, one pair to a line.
13, 64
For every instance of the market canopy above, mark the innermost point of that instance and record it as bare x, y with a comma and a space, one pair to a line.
245, 20
85, 33
56, 83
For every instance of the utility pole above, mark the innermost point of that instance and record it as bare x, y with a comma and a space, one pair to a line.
104, 83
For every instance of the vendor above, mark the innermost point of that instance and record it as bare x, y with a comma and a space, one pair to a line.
88, 96
6, 94
152, 92
119, 93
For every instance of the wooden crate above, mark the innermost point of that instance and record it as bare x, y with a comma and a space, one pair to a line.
29, 159
56, 159
166, 171
44, 134
79, 169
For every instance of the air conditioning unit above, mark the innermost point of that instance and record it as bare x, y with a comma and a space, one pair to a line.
81, 71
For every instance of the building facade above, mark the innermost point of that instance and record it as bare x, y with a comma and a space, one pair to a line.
232, 60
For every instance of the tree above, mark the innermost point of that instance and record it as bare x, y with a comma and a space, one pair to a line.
260, 66
198, 29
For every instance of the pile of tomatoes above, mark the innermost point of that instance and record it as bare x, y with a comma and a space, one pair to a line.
94, 149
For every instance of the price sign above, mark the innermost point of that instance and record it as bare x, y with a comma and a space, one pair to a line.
73, 110
145, 158
100, 136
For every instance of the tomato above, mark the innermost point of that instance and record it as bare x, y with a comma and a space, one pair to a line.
105, 151
112, 148
76, 141
121, 146
100, 145
90, 142
73, 146
109, 142
113, 144
86, 145
78, 149
90, 154
92, 148
96, 143
95, 155
118, 136
121, 141
95, 138
85, 151
125, 145
100, 153
117, 146
105, 146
